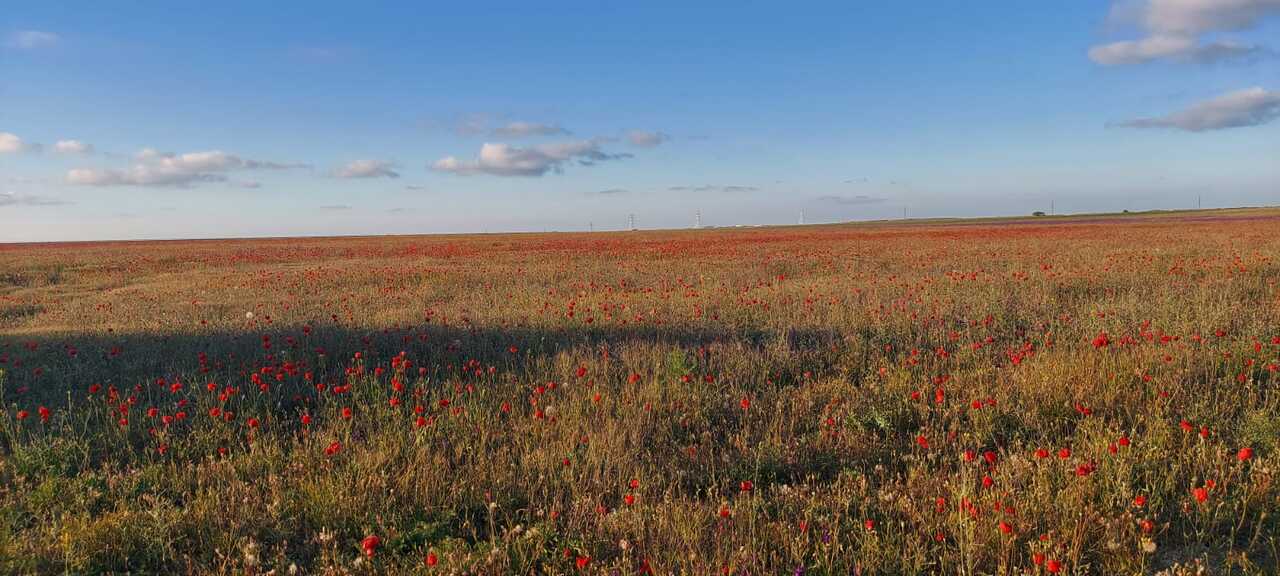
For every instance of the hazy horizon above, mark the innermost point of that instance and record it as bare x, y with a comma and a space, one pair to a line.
144, 121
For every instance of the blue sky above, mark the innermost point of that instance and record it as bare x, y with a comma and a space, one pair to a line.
154, 120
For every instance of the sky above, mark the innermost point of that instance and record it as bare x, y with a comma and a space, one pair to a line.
144, 120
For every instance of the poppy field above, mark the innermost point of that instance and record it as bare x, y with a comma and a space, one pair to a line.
1063, 395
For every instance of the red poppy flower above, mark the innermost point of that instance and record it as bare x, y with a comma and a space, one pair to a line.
370, 544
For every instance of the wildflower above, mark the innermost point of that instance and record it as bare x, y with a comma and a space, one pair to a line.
1244, 454
370, 545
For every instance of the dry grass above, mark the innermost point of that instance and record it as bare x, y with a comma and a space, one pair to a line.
844, 399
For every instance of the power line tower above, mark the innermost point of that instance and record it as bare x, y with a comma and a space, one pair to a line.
697, 219
802, 216
631, 221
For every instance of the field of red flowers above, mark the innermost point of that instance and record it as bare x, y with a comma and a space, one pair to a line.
1048, 396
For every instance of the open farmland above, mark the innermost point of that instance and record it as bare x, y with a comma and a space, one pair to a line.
1092, 395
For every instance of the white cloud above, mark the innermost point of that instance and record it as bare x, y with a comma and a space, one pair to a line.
1200, 16
1175, 28
31, 39
1143, 50
1173, 47
713, 188
153, 168
367, 169
645, 139
10, 143
859, 200
508, 160
72, 147
12, 199
1250, 107
523, 129
470, 125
